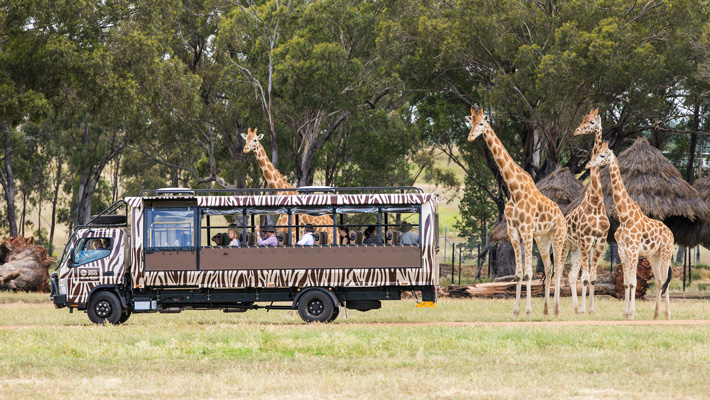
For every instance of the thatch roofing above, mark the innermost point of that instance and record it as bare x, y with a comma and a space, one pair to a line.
702, 185
560, 186
659, 190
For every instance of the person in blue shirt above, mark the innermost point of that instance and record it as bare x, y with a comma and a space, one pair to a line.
408, 237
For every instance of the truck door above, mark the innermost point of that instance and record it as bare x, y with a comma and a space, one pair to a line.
96, 258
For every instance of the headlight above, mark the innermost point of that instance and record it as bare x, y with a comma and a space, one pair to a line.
62, 286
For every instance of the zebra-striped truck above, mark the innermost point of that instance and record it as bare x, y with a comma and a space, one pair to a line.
169, 250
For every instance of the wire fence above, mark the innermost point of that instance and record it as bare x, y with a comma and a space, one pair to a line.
460, 263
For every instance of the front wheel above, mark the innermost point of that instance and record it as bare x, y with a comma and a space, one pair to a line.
124, 317
105, 307
316, 306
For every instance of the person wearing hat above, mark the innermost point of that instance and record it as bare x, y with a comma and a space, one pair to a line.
271, 239
307, 239
408, 237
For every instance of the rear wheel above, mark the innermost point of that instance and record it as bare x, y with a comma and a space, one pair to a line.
316, 306
105, 307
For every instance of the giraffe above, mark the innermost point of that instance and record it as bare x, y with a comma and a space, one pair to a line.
275, 180
637, 236
587, 224
529, 214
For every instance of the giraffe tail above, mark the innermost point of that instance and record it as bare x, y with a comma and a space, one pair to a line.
668, 280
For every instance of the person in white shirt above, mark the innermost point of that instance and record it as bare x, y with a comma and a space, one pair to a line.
307, 239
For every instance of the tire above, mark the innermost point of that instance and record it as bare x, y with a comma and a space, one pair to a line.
105, 307
316, 306
336, 312
124, 317
108, 220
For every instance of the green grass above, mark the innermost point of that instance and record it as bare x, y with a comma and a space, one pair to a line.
208, 354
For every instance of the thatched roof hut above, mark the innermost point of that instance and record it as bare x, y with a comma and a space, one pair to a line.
560, 186
659, 189
702, 185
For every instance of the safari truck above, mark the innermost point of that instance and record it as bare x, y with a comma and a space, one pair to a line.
166, 251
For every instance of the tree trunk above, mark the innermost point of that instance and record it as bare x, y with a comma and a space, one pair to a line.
693, 143
89, 176
114, 192
39, 218
505, 260
8, 182
24, 266
55, 199
680, 257
24, 213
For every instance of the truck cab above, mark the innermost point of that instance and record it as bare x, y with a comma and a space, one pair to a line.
94, 260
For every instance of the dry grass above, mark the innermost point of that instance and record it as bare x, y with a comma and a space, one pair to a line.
208, 354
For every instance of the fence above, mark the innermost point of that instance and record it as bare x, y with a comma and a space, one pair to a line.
458, 254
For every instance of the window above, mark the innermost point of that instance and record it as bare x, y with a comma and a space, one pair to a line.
91, 249
169, 228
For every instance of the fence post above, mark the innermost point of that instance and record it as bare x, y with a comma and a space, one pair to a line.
459, 267
690, 267
453, 262
685, 263
446, 239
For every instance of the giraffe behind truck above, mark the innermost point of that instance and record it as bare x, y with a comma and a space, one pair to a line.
161, 258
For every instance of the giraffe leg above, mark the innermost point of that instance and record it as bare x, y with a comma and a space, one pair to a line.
585, 274
666, 257
632, 256
596, 253
543, 246
527, 248
655, 262
514, 237
632, 293
559, 247
624, 268
573, 274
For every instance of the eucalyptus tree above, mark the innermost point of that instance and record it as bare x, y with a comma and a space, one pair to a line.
537, 66
310, 66
20, 97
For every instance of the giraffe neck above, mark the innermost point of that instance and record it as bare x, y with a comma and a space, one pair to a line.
273, 177
512, 174
594, 195
623, 203
597, 139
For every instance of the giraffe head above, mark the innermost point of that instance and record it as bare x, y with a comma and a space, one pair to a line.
591, 123
479, 124
252, 141
604, 157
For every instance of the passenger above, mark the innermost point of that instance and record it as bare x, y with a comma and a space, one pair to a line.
98, 245
307, 239
232, 232
217, 239
107, 243
371, 235
344, 233
408, 237
271, 239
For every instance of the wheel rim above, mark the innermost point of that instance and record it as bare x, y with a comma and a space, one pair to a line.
316, 307
103, 309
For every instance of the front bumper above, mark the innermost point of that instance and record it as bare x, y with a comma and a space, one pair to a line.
59, 300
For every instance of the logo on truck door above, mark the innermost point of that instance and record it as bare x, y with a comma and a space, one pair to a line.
88, 274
